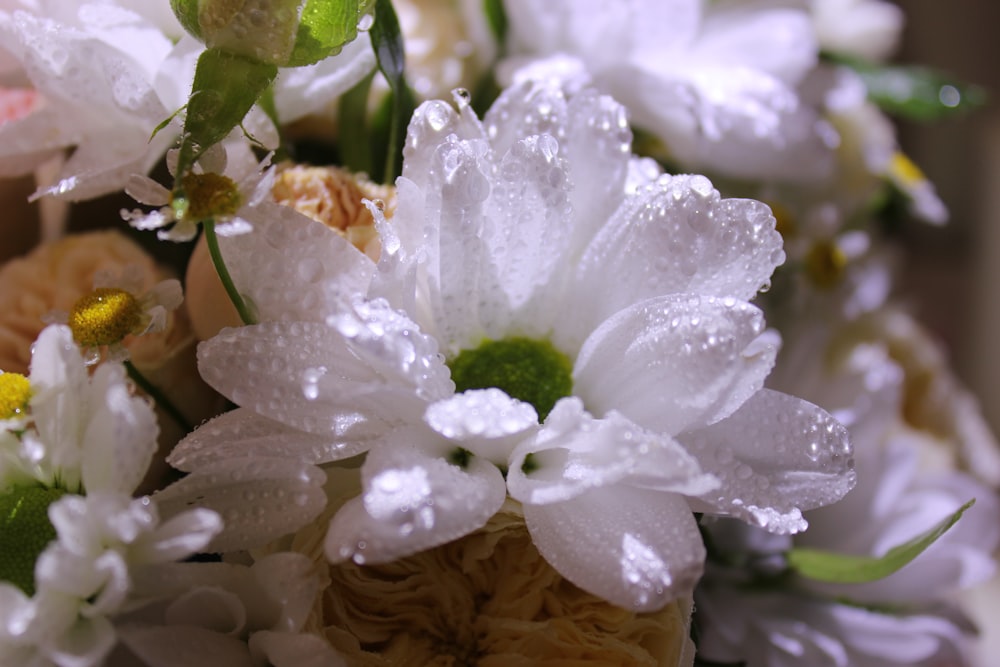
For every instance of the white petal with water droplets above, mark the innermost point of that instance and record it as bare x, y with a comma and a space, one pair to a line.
776, 456
573, 452
259, 499
636, 548
486, 422
675, 362
412, 501
241, 432
676, 235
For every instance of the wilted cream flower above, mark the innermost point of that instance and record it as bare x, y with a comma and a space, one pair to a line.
326, 194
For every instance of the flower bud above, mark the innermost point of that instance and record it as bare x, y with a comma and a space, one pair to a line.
285, 33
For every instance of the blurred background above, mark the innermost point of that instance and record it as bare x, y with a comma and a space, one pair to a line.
951, 274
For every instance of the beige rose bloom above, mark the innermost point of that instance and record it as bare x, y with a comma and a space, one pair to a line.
487, 599
326, 194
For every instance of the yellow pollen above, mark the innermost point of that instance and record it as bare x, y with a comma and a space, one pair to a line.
825, 263
104, 317
904, 171
210, 196
15, 392
784, 220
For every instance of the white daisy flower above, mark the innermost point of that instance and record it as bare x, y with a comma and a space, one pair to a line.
493, 281
715, 82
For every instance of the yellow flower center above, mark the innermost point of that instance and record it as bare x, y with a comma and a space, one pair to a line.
15, 391
904, 172
825, 263
210, 196
104, 317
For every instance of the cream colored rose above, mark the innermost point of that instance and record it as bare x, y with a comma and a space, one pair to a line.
487, 599
327, 194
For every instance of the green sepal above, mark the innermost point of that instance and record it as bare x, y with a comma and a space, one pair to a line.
225, 88
25, 531
325, 27
496, 18
186, 12
915, 93
387, 39
836, 568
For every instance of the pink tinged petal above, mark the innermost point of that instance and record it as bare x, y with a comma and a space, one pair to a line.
185, 534
636, 548
210, 608
184, 646
486, 422
412, 501
240, 433
120, 440
676, 235
258, 499
776, 456
573, 453
319, 378
326, 271
675, 362
286, 649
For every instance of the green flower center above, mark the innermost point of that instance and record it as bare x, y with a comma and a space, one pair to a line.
15, 392
25, 531
104, 317
529, 370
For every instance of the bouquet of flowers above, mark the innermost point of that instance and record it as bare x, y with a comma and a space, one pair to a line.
454, 332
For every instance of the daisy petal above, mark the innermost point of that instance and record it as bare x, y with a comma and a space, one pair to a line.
675, 362
181, 536
259, 499
574, 452
290, 580
486, 422
326, 267
240, 432
412, 501
677, 235
776, 455
285, 649
636, 548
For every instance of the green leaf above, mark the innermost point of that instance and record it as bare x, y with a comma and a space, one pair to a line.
916, 93
496, 17
388, 42
326, 26
225, 87
845, 569
355, 134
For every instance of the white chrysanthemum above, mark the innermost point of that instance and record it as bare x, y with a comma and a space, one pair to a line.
240, 616
85, 576
893, 503
519, 237
109, 72
715, 82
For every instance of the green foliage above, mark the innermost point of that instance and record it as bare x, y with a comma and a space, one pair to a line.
846, 569
388, 42
25, 531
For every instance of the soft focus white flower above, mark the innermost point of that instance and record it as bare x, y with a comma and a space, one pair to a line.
240, 616
909, 620
862, 28
715, 82
505, 232
108, 72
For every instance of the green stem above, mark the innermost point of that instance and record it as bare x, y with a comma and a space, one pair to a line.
227, 281
161, 399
